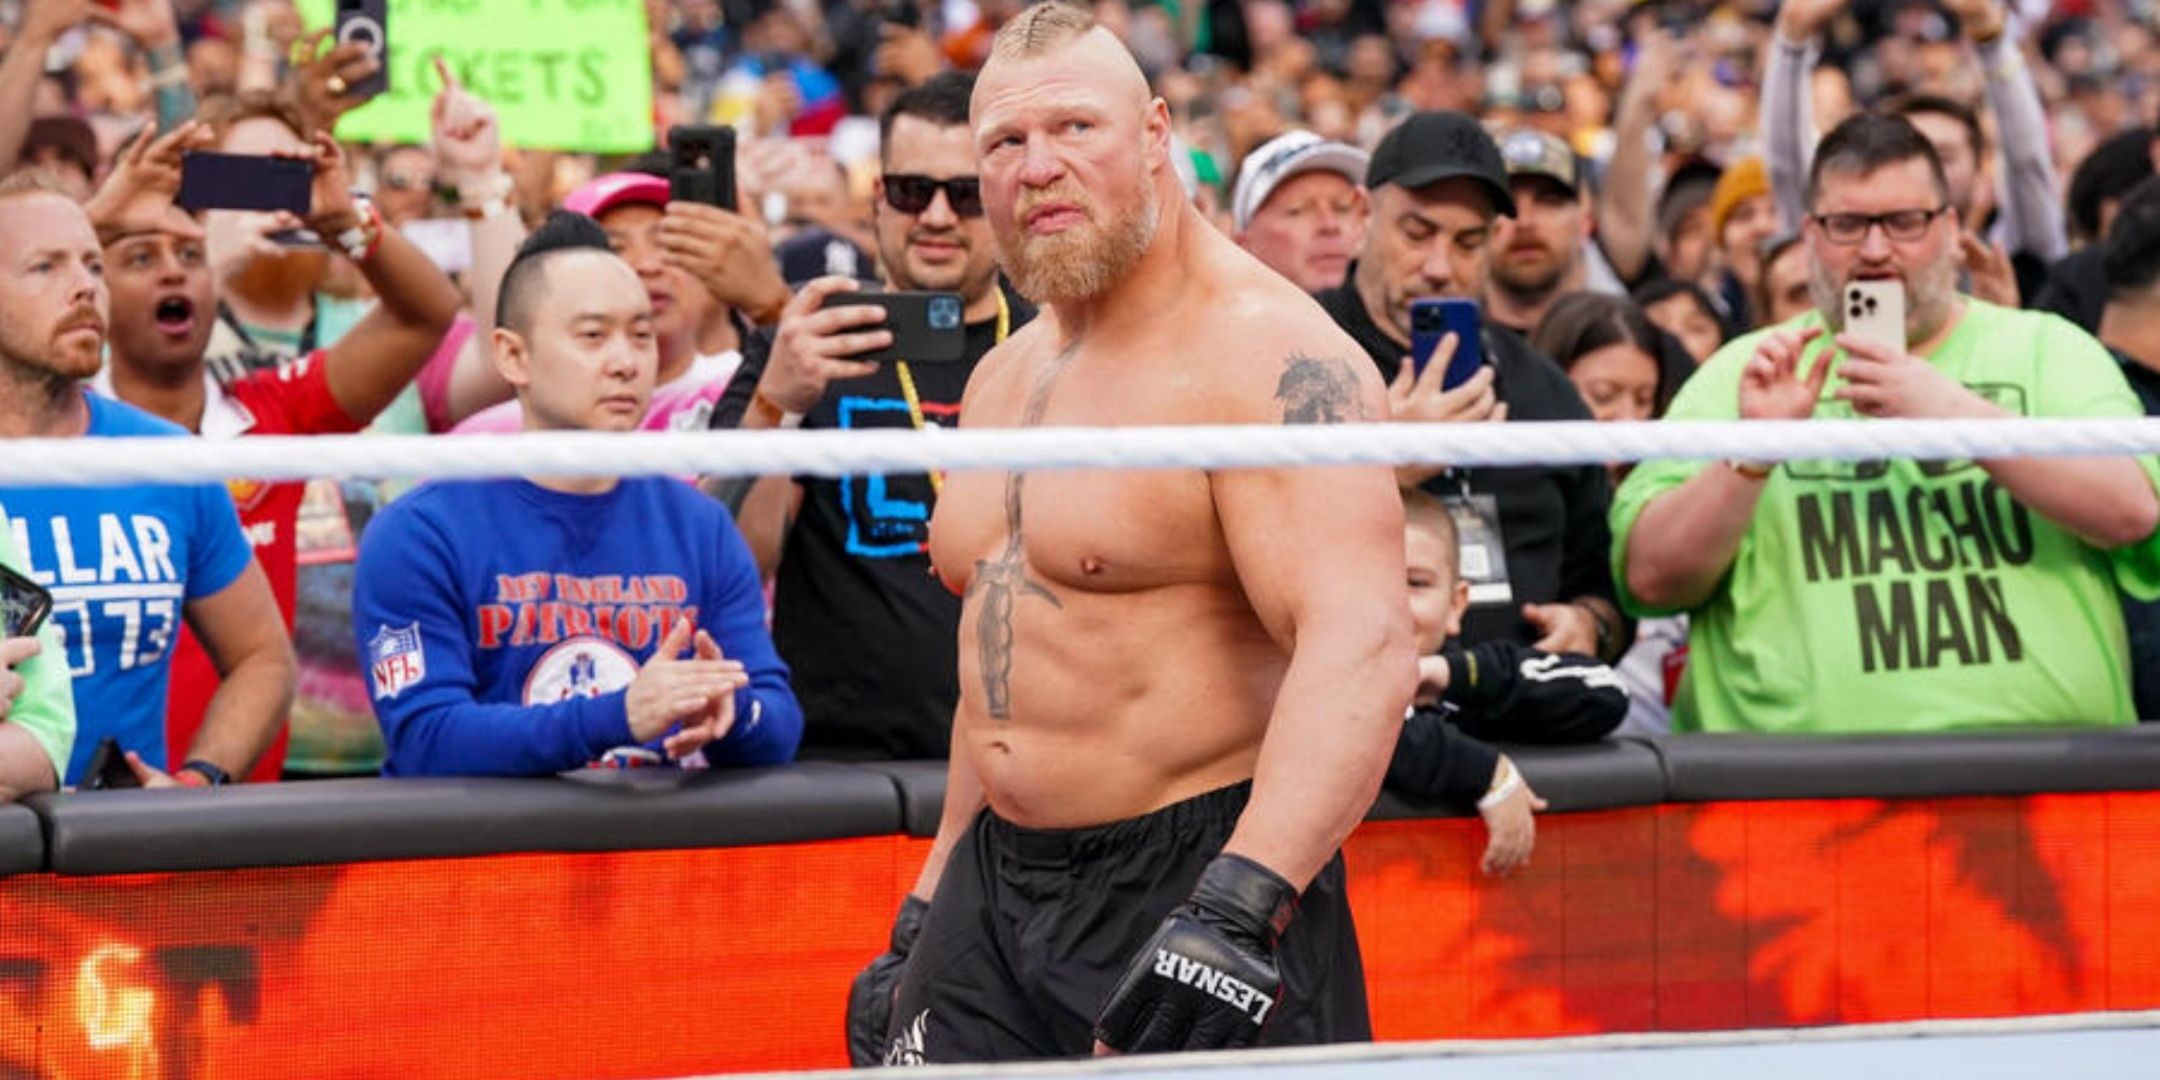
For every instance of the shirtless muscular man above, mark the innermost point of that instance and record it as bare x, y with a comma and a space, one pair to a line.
1179, 689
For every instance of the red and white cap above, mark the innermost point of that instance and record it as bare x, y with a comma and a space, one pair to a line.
604, 193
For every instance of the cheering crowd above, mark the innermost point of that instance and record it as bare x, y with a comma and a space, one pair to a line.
1659, 209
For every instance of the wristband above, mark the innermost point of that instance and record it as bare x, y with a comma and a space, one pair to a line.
485, 199
1506, 787
771, 410
360, 242
211, 775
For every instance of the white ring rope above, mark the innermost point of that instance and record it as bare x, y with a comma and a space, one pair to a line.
102, 461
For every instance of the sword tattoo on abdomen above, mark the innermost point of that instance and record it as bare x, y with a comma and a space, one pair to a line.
1003, 581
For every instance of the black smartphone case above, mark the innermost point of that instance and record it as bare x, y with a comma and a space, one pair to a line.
210, 181
108, 769
26, 604
701, 165
927, 327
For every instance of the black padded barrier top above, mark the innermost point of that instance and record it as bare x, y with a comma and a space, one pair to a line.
339, 821
22, 841
1595, 776
1591, 776
921, 785
1707, 768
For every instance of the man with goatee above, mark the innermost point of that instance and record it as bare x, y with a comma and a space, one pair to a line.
126, 566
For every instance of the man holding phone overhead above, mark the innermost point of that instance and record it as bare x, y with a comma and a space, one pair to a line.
867, 630
164, 299
126, 566
1895, 595
1534, 537
708, 272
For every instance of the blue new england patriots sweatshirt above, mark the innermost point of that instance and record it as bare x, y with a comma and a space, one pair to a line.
501, 623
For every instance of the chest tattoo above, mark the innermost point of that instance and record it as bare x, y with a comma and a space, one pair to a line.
1002, 582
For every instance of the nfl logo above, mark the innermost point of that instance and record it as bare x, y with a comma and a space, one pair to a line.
395, 659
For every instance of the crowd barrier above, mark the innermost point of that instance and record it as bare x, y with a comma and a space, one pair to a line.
648, 923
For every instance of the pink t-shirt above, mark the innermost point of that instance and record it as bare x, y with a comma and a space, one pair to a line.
684, 404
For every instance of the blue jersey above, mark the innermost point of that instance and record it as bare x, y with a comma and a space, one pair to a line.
122, 564
500, 623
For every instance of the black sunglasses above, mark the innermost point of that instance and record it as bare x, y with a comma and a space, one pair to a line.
913, 194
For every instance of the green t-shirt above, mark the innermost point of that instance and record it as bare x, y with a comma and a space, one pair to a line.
46, 708
1902, 595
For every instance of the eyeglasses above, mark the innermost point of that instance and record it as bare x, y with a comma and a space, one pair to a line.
407, 182
913, 194
1904, 226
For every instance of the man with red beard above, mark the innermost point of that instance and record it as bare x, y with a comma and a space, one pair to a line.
866, 629
164, 304
125, 565
1178, 689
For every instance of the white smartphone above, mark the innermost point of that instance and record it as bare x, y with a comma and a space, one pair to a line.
1875, 310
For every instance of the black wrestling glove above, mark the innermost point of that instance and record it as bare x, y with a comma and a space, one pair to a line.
870, 997
1207, 980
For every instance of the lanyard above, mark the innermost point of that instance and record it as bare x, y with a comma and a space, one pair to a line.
307, 333
914, 399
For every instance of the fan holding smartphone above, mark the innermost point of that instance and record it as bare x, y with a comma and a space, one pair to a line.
1959, 629
847, 358
37, 711
1445, 378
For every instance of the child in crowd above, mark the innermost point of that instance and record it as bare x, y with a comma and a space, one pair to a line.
1495, 691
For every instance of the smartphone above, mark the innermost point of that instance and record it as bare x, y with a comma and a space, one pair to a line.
1875, 310
902, 13
927, 327
701, 165
367, 23
1431, 320
108, 768
23, 605
297, 240
210, 181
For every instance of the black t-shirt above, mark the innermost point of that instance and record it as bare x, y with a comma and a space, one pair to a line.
868, 631
1552, 519
2142, 617
2076, 288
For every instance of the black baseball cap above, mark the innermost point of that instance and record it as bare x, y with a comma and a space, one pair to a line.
1429, 147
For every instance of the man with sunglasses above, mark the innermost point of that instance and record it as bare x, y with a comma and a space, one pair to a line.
856, 613
1895, 595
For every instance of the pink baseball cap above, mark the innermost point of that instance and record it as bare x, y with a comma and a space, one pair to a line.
605, 193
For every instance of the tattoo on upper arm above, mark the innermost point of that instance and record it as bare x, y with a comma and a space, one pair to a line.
1001, 582
1317, 391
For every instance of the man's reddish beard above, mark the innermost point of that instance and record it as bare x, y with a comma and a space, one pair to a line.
75, 362
1082, 261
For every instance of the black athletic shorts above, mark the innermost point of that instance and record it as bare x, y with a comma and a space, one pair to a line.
1032, 928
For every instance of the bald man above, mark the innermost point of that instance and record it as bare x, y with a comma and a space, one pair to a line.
1178, 689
